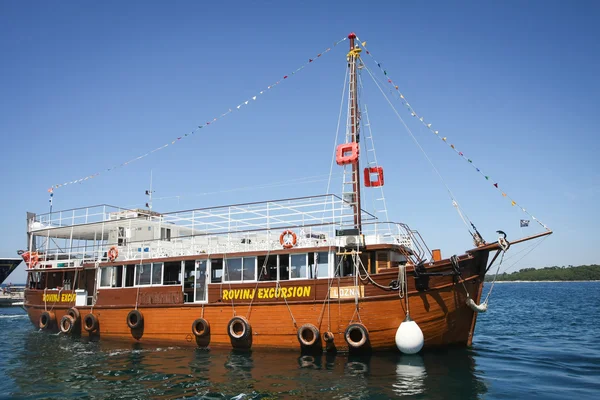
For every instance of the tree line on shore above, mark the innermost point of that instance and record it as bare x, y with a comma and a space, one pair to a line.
555, 273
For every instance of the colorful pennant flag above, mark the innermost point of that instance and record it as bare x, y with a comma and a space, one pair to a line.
56, 186
436, 132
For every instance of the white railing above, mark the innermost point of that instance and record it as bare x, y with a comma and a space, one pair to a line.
75, 237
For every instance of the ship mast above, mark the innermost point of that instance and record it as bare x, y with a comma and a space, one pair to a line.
353, 57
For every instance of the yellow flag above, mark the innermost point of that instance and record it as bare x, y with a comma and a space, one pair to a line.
513, 203
364, 44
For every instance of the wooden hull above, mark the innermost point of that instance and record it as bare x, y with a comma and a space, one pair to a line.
441, 311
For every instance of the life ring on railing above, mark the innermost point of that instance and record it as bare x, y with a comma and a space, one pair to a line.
31, 258
113, 253
288, 239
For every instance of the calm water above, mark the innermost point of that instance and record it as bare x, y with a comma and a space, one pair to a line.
538, 340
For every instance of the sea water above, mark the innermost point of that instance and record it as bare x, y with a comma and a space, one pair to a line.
537, 341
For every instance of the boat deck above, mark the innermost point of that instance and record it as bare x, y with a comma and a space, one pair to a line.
80, 236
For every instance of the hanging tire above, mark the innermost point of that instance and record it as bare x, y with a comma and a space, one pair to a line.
201, 328
357, 336
90, 323
135, 319
328, 338
47, 320
67, 322
73, 312
308, 336
240, 332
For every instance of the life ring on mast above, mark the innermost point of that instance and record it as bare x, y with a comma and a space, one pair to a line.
31, 258
288, 239
113, 253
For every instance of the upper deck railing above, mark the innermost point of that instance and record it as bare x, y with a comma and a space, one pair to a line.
83, 235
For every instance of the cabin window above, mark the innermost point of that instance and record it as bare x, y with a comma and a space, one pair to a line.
111, 277
55, 280
68, 280
165, 234
157, 273
344, 265
240, 269
267, 268
322, 264
129, 275
143, 274
122, 236
298, 266
216, 271
249, 271
172, 273
284, 267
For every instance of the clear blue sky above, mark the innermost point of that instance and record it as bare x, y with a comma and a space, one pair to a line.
513, 84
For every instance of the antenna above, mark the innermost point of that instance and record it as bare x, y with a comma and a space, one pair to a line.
149, 193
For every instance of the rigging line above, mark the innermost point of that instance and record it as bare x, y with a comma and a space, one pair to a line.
421, 148
444, 139
337, 132
274, 184
337, 129
368, 124
176, 140
524, 255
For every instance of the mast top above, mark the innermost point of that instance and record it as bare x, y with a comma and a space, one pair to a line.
352, 35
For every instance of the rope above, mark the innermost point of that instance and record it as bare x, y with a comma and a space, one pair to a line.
482, 307
327, 299
257, 281
288, 306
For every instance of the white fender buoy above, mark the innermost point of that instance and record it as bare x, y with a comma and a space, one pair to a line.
409, 337
478, 308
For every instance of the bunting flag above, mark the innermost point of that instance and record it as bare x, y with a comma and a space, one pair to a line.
428, 125
524, 223
206, 124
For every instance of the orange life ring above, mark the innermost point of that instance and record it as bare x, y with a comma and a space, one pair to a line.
287, 239
113, 253
31, 258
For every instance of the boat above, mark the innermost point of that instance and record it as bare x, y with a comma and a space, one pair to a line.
7, 266
315, 273
10, 295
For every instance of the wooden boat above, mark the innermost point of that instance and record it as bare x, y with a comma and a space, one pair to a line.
308, 273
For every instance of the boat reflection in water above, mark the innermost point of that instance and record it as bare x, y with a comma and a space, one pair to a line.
119, 369
410, 376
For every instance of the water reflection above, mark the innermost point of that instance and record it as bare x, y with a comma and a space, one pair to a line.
51, 364
410, 376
